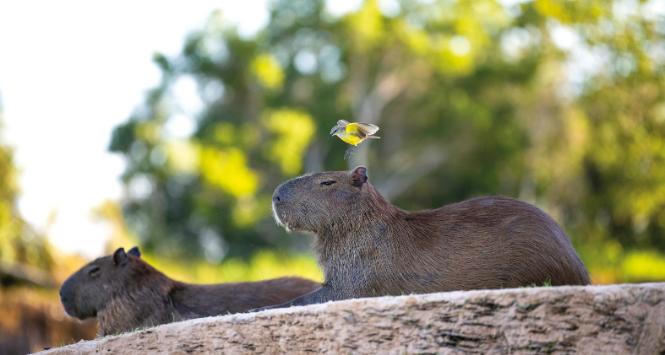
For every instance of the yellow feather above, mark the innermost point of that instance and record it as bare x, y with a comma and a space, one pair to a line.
351, 139
352, 128
362, 128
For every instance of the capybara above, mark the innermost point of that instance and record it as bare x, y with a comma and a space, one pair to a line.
124, 292
368, 247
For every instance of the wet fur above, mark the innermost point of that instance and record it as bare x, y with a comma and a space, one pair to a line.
368, 247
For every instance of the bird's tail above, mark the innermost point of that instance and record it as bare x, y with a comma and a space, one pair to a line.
374, 137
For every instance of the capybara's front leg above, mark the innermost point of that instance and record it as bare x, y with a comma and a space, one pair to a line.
324, 294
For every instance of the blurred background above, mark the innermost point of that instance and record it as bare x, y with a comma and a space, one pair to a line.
168, 126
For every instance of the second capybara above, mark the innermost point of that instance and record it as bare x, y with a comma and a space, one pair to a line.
125, 293
368, 247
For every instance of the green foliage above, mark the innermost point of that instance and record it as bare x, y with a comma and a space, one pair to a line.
643, 266
472, 98
264, 264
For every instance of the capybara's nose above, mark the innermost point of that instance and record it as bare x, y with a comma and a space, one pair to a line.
281, 193
64, 299
65, 290
276, 196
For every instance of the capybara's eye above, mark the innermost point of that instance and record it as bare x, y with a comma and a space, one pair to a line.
94, 271
328, 182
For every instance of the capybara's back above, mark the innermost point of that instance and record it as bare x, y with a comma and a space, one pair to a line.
498, 242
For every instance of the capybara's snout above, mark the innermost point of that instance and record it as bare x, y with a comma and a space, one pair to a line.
282, 193
67, 297
277, 195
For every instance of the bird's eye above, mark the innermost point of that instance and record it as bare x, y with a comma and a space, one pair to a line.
94, 271
328, 182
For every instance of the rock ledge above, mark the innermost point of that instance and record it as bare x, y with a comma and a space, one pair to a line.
628, 318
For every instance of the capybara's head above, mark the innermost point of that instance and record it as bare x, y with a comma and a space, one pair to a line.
92, 287
315, 202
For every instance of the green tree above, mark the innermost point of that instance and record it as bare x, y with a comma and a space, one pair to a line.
472, 97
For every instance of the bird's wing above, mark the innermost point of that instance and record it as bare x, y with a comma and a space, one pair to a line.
340, 125
366, 128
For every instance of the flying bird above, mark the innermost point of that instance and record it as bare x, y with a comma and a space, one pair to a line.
354, 133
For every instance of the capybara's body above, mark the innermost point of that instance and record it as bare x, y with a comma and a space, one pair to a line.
368, 247
125, 293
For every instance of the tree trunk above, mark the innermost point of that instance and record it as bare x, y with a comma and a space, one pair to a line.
595, 319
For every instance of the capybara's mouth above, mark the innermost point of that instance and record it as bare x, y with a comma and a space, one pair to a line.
71, 311
67, 305
279, 220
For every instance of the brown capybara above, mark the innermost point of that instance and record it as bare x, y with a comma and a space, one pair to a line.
125, 293
368, 247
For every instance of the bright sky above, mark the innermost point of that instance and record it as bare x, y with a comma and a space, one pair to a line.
69, 72
72, 70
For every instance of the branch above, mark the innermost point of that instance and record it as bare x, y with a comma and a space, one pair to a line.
406, 170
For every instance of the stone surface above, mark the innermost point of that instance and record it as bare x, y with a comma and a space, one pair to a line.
594, 319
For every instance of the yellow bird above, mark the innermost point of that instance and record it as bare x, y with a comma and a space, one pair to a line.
354, 133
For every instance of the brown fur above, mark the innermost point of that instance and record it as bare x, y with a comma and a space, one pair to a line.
125, 293
368, 247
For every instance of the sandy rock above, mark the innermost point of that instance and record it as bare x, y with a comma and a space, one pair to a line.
593, 319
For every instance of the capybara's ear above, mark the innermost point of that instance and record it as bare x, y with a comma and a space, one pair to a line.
359, 176
135, 251
119, 256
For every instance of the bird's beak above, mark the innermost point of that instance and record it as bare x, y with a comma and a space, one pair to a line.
333, 130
